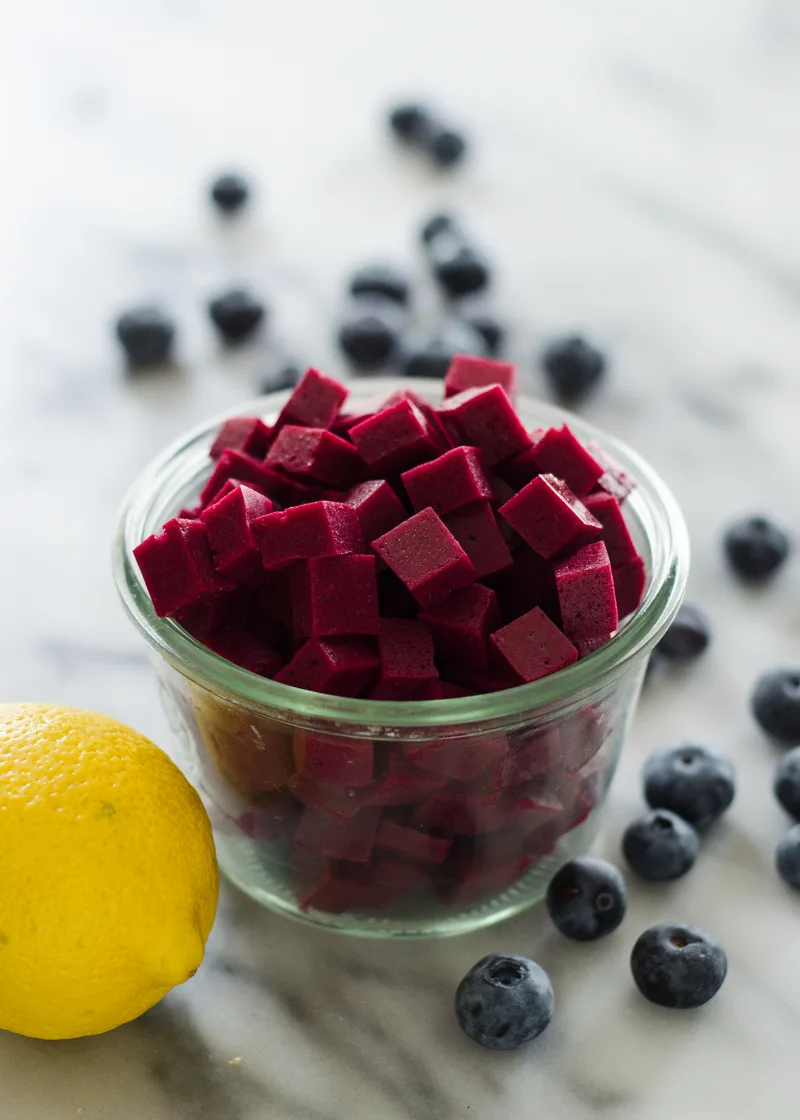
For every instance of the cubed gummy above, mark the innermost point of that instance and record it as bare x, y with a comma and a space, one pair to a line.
485, 418
476, 530
461, 625
176, 565
242, 433
306, 532
424, 554
548, 516
558, 452
405, 647
533, 646
335, 595
377, 506
340, 666
455, 479
316, 455
586, 595
314, 403
396, 438
469, 372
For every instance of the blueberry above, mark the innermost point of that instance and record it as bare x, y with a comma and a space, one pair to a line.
680, 966
236, 314
687, 637
776, 704
431, 355
660, 845
488, 326
381, 280
504, 1001
230, 192
446, 147
282, 377
787, 858
787, 783
587, 899
410, 123
369, 335
690, 781
461, 270
756, 547
573, 367
146, 335
436, 225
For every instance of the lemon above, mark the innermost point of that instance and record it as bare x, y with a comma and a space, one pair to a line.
108, 876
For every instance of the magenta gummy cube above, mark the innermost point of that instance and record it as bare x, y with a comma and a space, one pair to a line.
334, 760
378, 507
468, 372
455, 479
533, 646
315, 454
243, 468
343, 801
590, 645
406, 659
476, 530
616, 537
248, 434
314, 403
425, 555
586, 594
335, 595
630, 581
306, 532
485, 418
396, 438
413, 843
613, 480
329, 835
548, 516
339, 666
461, 625
463, 760
229, 521
245, 649
403, 786
558, 452
176, 565
460, 814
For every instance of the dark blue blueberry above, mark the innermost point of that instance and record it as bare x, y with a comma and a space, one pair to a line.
460, 269
687, 637
787, 858
230, 192
690, 781
660, 845
410, 122
587, 898
446, 147
146, 335
436, 225
381, 280
787, 783
431, 355
504, 1001
573, 367
369, 336
776, 704
282, 377
236, 314
488, 326
756, 548
680, 966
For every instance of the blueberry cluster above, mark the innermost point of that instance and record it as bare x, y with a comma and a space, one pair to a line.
419, 128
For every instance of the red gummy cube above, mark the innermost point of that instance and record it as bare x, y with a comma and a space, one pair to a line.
613, 480
340, 666
229, 521
630, 581
406, 659
463, 760
533, 646
535, 756
461, 625
548, 516
590, 645
461, 814
329, 835
378, 507
425, 555
396, 438
316, 454
242, 433
335, 595
558, 452
616, 537
485, 418
334, 760
343, 801
306, 532
403, 785
237, 465
476, 530
314, 403
532, 810
453, 480
468, 372
245, 649
413, 843
586, 594
176, 565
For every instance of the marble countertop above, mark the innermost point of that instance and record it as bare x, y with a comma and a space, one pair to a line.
634, 175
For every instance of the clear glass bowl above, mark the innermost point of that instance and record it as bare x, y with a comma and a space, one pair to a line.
500, 789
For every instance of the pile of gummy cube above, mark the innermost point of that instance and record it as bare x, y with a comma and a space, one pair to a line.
399, 551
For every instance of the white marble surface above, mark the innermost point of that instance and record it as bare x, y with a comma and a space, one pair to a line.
635, 173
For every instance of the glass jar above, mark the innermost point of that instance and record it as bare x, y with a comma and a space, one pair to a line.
400, 819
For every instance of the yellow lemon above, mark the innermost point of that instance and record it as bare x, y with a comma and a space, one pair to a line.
108, 876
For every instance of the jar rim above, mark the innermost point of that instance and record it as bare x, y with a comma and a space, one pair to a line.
178, 470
